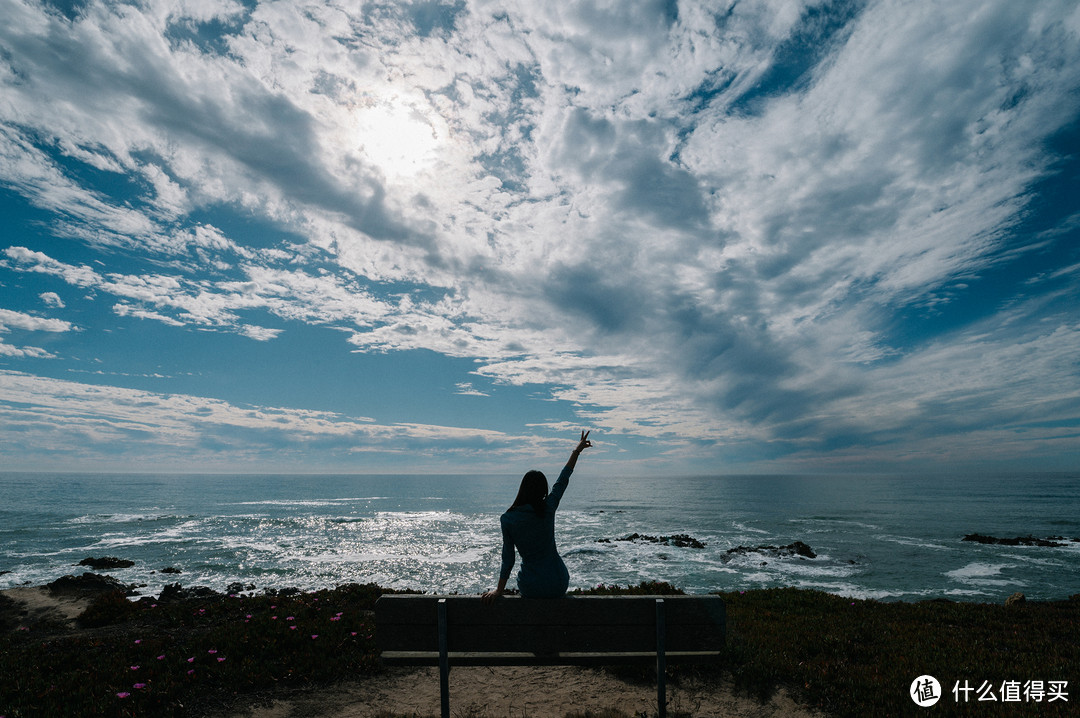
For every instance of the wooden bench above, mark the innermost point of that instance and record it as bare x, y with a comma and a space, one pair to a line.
420, 630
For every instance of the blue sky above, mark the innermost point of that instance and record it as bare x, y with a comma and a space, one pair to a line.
443, 237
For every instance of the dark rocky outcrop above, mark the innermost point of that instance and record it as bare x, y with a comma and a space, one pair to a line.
1028, 540
679, 540
1016, 599
105, 563
798, 548
170, 569
176, 592
87, 583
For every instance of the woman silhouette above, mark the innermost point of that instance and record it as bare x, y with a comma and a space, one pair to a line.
529, 525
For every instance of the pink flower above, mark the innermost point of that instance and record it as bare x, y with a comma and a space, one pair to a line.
314, 636
335, 618
292, 628
291, 618
354, 633
138, 641
134, 668
191, 660
273, 618
191, 672
161, 657
220, 659
212, 651
140, 685
248, 616
122, 694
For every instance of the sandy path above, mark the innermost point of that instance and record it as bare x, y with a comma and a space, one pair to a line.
518, 691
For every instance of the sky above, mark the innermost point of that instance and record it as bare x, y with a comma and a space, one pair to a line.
735, 236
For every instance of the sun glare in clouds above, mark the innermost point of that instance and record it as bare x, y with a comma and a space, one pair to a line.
398, 138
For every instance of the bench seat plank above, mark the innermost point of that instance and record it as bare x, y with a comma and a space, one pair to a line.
525, 658
571, 610
546, 639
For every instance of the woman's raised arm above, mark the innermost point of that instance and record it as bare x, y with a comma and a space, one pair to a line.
582, 445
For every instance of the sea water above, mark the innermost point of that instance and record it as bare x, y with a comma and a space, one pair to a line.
882, 537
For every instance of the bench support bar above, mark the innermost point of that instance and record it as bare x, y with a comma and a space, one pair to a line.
444, 662
661, 667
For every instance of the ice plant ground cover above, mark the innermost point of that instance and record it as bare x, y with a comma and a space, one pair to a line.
205, 656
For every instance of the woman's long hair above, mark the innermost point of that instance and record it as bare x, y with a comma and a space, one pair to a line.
532, 492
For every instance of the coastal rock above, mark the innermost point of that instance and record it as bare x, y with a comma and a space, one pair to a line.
797, 548
679, 540
176, 592
170, 569
237, 587
87, 583
1015, 600
1028, 540
105, 562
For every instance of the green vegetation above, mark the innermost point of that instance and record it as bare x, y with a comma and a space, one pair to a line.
201, 656
859, 658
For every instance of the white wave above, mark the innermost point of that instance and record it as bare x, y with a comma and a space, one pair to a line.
911, 541
831, 520
1026, 558
290, 502
979, 570
806, 568
966, 592
984, 574
743, 527
120, 518
416, 516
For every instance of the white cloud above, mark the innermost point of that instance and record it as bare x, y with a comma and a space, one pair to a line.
260, 334
97, 421
52, 299
466, 388
11, 320
28, 322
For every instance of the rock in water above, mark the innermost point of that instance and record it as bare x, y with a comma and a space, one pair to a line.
797, 548
680, 540
1029, 540
1015, 600
105, 563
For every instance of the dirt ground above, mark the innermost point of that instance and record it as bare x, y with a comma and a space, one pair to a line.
519, 692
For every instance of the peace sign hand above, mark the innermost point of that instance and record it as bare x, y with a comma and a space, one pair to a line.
584, 443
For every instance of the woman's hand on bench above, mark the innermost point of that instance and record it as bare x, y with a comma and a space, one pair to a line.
490, 596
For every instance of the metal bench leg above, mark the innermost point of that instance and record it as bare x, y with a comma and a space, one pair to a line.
661, 662
444, 662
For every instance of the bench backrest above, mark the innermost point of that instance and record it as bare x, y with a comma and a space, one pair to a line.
575, 624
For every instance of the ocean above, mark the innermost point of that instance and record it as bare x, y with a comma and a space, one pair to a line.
878, 537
